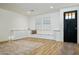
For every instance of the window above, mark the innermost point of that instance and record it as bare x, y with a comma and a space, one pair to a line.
70, 15
73, 15
66, 16
43, 23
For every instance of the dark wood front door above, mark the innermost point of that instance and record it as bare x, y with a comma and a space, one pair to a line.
70, 26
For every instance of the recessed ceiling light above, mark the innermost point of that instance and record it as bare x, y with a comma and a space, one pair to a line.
28, 12
51, 6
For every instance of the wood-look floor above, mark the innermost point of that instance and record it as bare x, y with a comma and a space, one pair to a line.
37, 46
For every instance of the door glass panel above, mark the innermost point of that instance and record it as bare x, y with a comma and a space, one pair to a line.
73, 15
66, 16
69, 15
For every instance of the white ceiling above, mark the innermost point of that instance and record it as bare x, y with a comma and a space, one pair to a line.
37, 8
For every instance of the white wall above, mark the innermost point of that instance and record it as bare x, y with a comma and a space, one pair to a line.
54, 17
55, 24
11, 20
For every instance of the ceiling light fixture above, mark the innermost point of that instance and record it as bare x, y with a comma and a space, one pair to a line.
51, 7
30, 11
